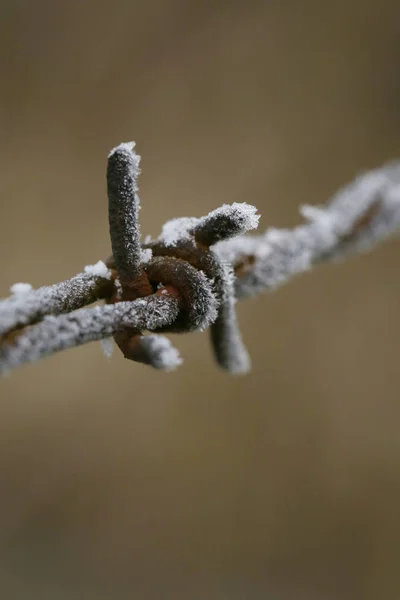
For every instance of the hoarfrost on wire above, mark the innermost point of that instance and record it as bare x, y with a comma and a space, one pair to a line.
107, 345
98, 270
18, 289
146, 255
164, 355
227, 221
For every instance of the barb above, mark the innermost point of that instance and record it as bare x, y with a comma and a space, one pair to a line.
154, 350
229, 349
196, 269
123, 215
228, 221
123, 209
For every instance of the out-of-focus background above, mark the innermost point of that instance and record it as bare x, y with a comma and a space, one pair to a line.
118, 482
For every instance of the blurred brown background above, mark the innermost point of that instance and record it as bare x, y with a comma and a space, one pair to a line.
117, 482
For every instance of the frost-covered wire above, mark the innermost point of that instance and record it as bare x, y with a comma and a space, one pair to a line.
26, 305
189, 277
79, 327
154, 350
123, 209
358, 216
228, 221
229, 349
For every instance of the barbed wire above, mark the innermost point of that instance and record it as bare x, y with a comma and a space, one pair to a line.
189, 278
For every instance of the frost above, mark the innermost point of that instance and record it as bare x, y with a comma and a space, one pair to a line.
146, 255
163, 354
125, 146
224, 222
244, 215
311, 213
20, 288
118, 289
107, 346
228, 221
98, 270
177, 229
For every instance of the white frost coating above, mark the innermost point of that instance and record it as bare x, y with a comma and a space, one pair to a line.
177, 229
245, 215
20, 288
311, 213
98, 270
128, 146
107, 345
224, 222
146, 255
118, 289
164, 355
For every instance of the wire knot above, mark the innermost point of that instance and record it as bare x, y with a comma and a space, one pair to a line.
181, 257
